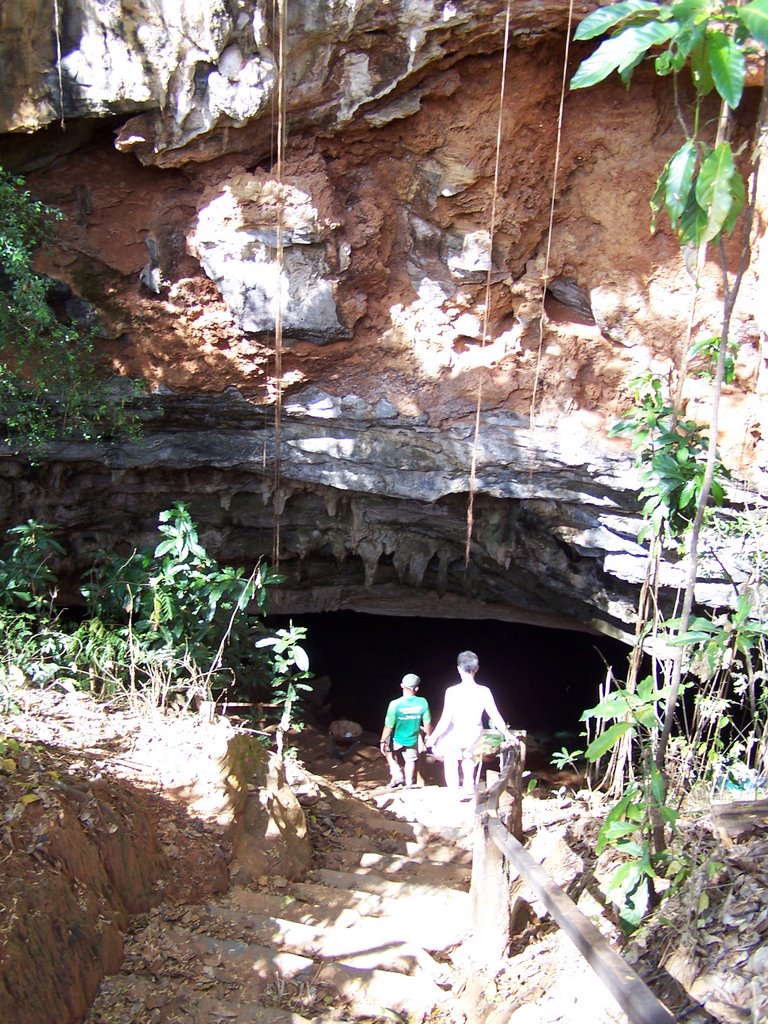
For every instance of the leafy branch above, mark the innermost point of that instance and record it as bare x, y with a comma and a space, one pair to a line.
700, 186
703, 193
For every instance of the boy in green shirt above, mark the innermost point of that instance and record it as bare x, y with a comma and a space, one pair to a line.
406, 717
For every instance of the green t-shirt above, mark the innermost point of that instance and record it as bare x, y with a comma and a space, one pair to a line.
405, 717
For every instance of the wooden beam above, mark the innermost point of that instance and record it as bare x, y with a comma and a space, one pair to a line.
627, 988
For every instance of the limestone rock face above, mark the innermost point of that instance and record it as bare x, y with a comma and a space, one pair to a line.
418, 283
204, 66
200, 62
266, 244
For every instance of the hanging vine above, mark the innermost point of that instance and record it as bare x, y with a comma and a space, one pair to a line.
57, 32
281, 132
487, 301
552, 201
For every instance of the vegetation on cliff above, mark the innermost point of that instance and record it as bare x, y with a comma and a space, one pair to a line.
50, 384
661, 745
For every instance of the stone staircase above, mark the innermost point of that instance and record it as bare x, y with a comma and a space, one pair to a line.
367, 935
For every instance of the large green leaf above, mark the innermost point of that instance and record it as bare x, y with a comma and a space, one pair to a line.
618, 830
624, 878
679, 181
755, 17
621, 52
714, 189
604, 18
606, 740
625, 71
689, 36
729, 69
301, 658
701, 72
693, 223
685, 9
739, 197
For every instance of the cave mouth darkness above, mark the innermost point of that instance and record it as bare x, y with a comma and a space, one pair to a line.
542, 679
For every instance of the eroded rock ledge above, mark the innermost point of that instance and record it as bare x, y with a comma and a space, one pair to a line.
373, 510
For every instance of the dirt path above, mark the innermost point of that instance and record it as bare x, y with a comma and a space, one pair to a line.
117, 862
377, 931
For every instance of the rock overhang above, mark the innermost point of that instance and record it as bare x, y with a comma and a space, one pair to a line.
373, 514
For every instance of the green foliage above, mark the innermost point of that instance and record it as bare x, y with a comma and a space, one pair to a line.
716, 641
703, 194
702, 357
26, 578
49, 385
564, 758
700, 186
168, 623
631, 710
671, 453
708, 33
290, 666
629, 826
728, 653
184, 606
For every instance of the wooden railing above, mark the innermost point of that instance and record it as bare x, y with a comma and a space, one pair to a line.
499, 858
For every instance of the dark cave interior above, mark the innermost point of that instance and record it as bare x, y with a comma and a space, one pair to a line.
542, 679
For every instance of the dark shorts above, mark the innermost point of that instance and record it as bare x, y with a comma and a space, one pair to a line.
409, 753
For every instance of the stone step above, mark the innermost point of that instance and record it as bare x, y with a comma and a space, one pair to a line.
373, 943
251, 970
432, 925
211, 1010
152, 1002
378, 885
380, 993
398, 867
372, 819
430, 847
252, 967
433, 808
436, 852
307, 904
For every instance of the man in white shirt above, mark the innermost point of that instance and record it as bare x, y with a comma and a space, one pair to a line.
456, 735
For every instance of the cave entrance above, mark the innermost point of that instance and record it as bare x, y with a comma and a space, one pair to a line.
542, 678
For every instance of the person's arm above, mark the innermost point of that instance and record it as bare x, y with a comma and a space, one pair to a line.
386, 733
444, 722
390, 720
494, 716
426, 721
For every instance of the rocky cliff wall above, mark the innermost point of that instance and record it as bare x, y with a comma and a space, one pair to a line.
152, 125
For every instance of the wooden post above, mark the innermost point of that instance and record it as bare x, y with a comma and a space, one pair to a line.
514, 758
489, 891
492, 874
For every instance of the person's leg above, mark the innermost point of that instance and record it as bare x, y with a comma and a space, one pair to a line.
409, 764
451, 772
467, 774
395, 771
